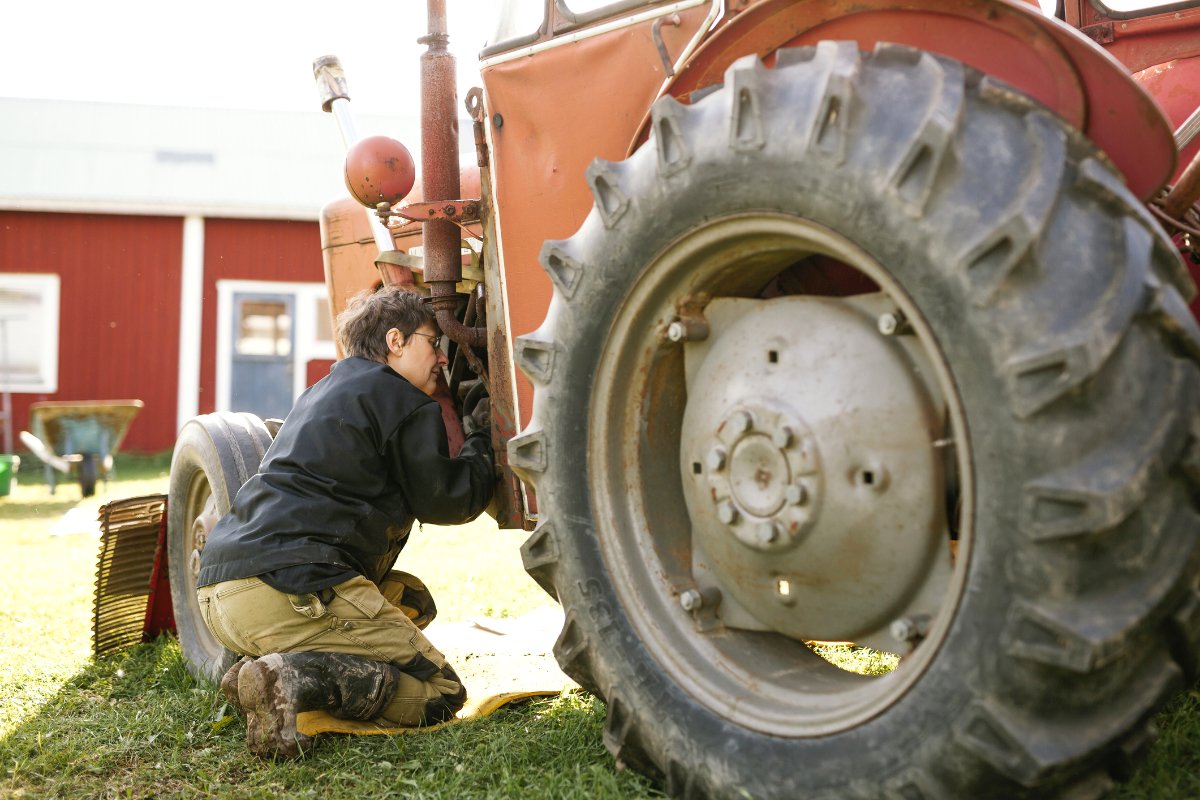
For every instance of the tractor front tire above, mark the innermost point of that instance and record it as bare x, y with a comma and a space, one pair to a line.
806, 285
214, 455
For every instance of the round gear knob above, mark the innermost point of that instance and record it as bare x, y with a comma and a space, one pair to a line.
379, 169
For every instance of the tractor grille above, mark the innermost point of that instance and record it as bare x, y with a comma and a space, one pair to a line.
129, 540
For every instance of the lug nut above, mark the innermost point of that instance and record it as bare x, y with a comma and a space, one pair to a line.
796, 494
893, 323
716, 459
691, 600
909, 629
767, 533
687, 330
739, 423
782, 437
727, 512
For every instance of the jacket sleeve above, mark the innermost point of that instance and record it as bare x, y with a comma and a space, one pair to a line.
439, 489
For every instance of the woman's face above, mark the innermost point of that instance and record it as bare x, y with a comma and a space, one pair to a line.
417, 360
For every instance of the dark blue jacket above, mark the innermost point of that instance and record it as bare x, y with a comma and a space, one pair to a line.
361, 455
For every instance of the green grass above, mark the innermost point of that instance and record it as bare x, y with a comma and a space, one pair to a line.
135, 724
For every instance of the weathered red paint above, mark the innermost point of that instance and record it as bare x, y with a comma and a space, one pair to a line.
118, 312
1009, 40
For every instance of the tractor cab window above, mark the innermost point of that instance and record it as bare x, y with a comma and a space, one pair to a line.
517, 22
1134, 8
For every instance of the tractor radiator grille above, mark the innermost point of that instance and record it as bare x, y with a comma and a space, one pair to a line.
129, 540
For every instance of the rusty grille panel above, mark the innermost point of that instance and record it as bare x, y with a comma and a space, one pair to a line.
129, 535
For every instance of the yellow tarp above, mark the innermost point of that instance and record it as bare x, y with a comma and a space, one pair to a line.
499, 661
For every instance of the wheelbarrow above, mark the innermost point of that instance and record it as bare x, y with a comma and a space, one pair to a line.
80, 437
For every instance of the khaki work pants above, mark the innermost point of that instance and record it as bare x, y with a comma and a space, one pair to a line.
379, 622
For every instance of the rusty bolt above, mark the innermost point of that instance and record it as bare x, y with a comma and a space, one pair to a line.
796, 494
687, 330
740, 422
691, 600
782, 437
498, 120
727, 512
716, 459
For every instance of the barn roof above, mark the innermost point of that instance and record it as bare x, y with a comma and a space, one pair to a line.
132, 159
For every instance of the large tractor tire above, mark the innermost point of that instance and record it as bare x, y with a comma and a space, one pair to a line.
214, 455
866, 347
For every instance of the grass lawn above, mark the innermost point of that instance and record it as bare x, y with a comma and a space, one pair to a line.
136, 725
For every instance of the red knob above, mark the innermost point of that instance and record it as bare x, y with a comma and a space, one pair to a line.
379, 169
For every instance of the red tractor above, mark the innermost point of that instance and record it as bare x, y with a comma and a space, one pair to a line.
836, 321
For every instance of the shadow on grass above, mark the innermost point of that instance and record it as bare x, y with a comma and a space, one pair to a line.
137, 725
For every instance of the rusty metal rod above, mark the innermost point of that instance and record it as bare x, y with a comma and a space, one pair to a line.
1185, 192
439, 176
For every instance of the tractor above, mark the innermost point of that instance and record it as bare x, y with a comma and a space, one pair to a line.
813, 321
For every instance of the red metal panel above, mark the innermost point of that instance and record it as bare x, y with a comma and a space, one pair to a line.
259, 250
316, 369
118, 311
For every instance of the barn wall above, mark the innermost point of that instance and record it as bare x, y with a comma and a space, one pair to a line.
243, 249
119, 310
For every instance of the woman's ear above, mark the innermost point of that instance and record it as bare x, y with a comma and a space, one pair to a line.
394, 340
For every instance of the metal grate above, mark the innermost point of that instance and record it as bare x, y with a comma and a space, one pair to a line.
129, 536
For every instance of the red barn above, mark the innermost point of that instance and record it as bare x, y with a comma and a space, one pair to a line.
169, 255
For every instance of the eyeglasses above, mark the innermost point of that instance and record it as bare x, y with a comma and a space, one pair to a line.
436, 341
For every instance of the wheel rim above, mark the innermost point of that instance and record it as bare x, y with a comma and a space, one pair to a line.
200, 516
753, 489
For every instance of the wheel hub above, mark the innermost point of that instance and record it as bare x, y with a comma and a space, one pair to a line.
799, 414
763, 475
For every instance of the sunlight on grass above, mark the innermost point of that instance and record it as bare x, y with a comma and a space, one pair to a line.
862, 660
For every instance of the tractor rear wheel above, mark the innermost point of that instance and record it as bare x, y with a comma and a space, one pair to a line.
867, 347
214, 455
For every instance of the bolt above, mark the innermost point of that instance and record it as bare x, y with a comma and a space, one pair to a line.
691, 600
909, 629
687, 330
740, 422
498, 120
796, 494
716, 459
727, 512
782, 437
767, 532
893, 323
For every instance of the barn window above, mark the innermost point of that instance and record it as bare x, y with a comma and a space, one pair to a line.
29, 333
265, 329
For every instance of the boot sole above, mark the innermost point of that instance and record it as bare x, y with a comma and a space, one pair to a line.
270, 730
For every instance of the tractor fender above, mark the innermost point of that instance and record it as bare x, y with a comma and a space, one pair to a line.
1009, 40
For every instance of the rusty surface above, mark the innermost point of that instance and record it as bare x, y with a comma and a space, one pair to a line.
1184, 193
379, 169
538, 158
508, 506
1011, 40
1140, 41
474, 104
458, 211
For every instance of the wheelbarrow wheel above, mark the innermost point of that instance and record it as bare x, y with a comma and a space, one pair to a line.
87, 475
214, 455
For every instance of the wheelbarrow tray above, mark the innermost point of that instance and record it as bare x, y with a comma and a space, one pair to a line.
76, 427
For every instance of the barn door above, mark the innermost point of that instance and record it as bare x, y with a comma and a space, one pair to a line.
264, 340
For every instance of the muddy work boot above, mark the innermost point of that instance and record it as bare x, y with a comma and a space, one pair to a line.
273, 689
229, 682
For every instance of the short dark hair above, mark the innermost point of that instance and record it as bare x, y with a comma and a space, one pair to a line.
363, 326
